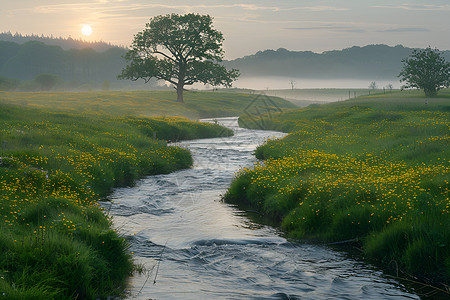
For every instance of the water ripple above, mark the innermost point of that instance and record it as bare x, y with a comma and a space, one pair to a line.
205, 249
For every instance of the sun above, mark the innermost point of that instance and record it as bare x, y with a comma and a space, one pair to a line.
86, 30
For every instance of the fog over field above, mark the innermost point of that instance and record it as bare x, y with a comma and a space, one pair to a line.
278, 82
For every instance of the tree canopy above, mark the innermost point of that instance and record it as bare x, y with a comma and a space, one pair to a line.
180, 49
426, 69
47, 81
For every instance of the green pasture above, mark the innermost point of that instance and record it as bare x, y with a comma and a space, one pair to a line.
198, 104
58, 156
373, 170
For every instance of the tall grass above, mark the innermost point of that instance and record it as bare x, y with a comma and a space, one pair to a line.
55, 241
374, 169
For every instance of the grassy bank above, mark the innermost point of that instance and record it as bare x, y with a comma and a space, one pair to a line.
55, 242
143, 103
374, 170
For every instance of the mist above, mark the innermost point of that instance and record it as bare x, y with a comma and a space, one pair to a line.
279, 82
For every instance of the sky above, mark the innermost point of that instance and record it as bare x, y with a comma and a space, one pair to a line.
247, 26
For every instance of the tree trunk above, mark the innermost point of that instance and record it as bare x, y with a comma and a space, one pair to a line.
180, 89
430, 92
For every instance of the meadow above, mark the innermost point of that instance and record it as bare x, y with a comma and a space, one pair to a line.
60, 154
305, 97
198, 104
372, 171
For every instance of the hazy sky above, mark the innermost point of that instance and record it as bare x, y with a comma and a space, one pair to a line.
248, 26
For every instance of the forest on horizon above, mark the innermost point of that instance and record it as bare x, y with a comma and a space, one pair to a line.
23, 59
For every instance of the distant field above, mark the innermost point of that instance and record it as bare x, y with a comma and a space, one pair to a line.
143, 103
305, 97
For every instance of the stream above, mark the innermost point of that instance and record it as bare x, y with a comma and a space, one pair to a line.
194, 246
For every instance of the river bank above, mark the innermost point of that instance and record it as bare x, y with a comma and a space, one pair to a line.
372, 169
193, 246
55, 241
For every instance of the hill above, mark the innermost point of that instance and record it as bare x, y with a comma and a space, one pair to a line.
372, 62
24, 61
27, 60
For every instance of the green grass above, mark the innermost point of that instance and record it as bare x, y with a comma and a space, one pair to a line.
141, 103
374, 169
55, 241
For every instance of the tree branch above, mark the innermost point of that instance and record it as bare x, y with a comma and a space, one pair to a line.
165, 55
169, 80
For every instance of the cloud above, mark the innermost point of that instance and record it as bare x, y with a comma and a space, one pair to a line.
329, 28
134, 10
275, 8
315, 28
419, 7
353, 30
406, 29
123, 5
319, 8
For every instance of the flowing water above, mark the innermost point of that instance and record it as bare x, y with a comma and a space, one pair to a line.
194, 246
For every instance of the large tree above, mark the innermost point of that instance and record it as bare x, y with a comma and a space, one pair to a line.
180, 49
426, 69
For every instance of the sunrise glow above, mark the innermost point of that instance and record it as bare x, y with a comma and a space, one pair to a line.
86, 30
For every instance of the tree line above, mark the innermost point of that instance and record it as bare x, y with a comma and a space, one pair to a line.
65, 43
32, 60
371, 62
28, 60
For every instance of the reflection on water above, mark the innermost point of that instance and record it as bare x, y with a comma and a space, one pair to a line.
196, 247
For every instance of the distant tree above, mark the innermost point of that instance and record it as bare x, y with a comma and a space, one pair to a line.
105, 85
47, 81
292, 82
390, 87
180, 49
65, 43
373, 85
426, 69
